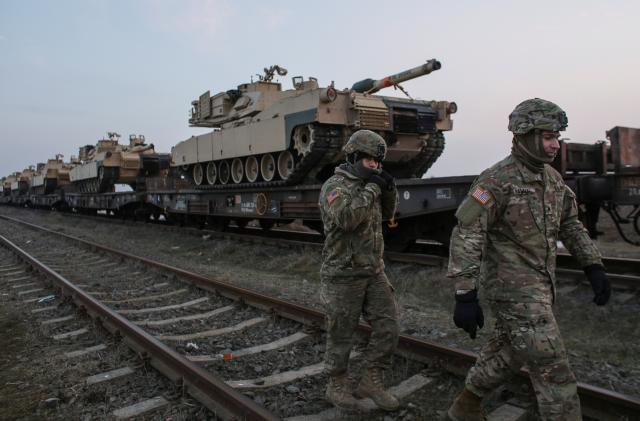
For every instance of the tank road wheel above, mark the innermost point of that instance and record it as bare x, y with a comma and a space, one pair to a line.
237, 170
267, 167
285, 164
198, 174
224, 172
212, 173
303, 139
251, 169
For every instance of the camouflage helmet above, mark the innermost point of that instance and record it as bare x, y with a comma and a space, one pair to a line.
538, 114
368, 143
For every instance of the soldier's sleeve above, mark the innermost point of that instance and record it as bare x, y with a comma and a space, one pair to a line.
346, 209
475, 215
389, 203
573, 234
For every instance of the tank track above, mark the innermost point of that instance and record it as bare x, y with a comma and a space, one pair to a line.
430, 153
328, 141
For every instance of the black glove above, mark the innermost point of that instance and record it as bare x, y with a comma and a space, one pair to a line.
384, 180
599, 282
468, 313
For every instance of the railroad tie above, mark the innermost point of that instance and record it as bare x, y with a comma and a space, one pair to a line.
163, 308
214, 332
43, 309
400, 391
567, 289
30, 291
147, 297
280, 378
622, 297
33, 300
140, 408
508, 412
70, 334
58, 320
23, 285
109, 375
183, 318
277, 344
81, 352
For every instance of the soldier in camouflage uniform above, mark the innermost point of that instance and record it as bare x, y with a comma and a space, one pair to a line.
509, 225
353, 203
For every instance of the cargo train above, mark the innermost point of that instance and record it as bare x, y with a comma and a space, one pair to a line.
269, 150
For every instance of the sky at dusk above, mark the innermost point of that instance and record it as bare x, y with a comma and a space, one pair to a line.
72, 70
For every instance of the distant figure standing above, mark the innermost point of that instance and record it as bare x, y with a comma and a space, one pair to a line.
353, 203
509, 224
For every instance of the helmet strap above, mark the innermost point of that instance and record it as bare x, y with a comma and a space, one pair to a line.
357, 167
529, 149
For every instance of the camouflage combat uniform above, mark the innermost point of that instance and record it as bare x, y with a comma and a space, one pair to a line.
508, 228
352, 273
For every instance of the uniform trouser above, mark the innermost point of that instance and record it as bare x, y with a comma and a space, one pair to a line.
345, 299
526, 334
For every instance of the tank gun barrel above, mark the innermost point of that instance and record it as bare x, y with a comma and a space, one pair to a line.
371, 86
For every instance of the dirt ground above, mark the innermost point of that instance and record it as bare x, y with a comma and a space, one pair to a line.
603, 342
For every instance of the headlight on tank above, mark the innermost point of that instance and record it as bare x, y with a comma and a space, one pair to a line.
328, 95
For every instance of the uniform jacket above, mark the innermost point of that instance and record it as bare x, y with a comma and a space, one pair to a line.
507, 233
352, 212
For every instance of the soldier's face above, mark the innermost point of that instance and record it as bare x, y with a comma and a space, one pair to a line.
370, 163
551, 143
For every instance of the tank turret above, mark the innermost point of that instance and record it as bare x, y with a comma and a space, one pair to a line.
266, 136
109, 163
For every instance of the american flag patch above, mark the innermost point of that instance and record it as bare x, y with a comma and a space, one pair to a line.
331, 197
481, 195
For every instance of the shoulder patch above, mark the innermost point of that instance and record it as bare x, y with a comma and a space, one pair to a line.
332, 196
482, 196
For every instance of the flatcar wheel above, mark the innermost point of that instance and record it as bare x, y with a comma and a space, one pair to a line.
237, 170
224, 172
251, 169
285, 164
267, 167
212, 173
198, 174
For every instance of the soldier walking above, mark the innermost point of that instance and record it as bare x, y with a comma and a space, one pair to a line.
509, 224
353, 203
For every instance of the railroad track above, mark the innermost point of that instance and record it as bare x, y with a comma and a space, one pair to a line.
267, 351
624, 273
95, 365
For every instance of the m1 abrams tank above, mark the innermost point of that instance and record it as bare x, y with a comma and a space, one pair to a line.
264, 136
50, 176
20, 186
8, 181
109, 163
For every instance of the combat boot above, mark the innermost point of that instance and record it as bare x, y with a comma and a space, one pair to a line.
339, 393
371, 386
466, 407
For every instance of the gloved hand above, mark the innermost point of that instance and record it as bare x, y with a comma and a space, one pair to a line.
599, 282
384, 180
468, 313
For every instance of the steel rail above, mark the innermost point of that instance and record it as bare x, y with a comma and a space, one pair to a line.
212, 392
597, 402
